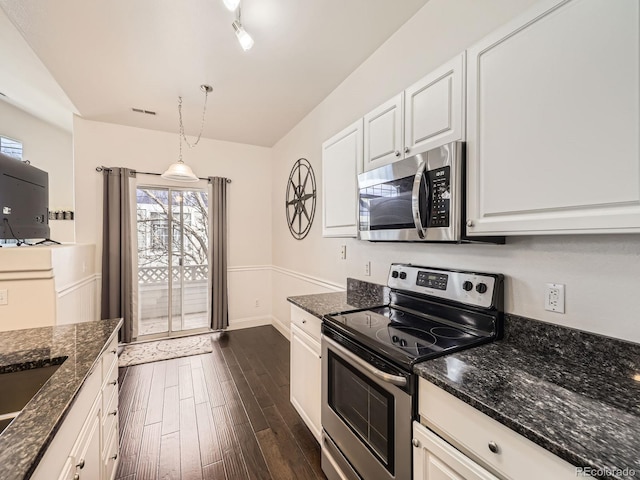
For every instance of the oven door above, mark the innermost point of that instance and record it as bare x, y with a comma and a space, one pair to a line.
366, 414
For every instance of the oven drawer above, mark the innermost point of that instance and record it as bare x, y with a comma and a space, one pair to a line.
308, 323
471, 431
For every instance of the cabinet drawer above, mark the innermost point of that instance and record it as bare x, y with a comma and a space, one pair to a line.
308, 323
110, 383
110, 413
472, 431
109, 357
111, 453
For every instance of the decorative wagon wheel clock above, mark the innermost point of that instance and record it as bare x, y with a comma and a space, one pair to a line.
301, 199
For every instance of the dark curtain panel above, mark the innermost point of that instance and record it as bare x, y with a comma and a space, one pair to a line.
117, 261
218, 249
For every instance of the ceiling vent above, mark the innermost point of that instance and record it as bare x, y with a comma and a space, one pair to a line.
140, 110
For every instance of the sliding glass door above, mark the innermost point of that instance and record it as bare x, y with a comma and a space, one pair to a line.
173, 266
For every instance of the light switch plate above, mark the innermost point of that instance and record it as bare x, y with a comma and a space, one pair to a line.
4, 297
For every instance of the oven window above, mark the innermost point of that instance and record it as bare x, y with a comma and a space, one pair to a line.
363, 406
387, 205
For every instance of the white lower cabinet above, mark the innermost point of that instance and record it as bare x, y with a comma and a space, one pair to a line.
463, 433
86, 444
306, 380
435, 459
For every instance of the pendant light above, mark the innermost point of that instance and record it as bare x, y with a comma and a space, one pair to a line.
179, 171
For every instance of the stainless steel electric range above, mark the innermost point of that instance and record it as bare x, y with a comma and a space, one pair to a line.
369, 392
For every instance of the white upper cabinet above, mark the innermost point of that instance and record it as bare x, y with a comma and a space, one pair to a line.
553, 121
427, 115
341, 164
383, 135
434, 108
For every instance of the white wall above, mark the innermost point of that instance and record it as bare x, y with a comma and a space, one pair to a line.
600, 272
49, 148
249, 195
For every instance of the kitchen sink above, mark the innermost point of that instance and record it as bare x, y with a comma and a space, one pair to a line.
17, 388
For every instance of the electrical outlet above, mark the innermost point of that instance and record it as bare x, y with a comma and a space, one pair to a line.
367, 269
4, 297
257, 303
554, 297
343, 252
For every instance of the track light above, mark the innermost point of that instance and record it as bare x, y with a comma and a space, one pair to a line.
231, 4
243, 37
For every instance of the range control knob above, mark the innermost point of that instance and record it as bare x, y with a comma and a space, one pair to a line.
394, 274
403, 342
467, 286
481, 288
403, 275
395, 339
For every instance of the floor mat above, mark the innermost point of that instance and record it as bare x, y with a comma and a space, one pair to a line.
158, 350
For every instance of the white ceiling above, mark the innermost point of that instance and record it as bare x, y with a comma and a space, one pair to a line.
110, 56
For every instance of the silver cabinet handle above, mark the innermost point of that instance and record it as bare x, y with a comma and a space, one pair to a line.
114, 351
76, 477
114, 456
80, 464
397, 153
406, 149
384, 376
415, 442
469, 223
114, 412
493, 446
304, 321
114, 383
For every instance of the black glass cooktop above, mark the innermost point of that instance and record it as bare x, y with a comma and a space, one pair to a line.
404, 337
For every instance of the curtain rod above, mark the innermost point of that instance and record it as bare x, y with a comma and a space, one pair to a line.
103, 168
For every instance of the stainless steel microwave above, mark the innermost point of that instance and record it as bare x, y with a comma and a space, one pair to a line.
418, 199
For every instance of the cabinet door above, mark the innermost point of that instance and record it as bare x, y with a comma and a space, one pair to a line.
434, 108
435, 459
553, 121
341, 164
87, 452
383, 136
306, 379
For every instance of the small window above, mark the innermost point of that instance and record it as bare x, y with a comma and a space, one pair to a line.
11, 147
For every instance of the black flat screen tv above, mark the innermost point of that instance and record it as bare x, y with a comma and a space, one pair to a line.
24, 200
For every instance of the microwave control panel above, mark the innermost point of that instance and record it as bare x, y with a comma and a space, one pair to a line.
440, 192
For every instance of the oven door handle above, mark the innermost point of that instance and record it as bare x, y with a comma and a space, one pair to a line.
415, 198
384, 376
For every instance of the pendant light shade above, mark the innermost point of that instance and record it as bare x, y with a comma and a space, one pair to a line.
180, 172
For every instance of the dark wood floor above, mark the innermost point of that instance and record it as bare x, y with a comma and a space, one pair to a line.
223, 415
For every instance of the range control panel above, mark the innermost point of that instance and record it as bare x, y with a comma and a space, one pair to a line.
471, 288
440, 201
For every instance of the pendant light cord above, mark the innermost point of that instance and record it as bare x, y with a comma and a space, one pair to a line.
182, 135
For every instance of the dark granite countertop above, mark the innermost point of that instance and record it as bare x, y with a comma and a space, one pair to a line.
359, 295
25, 440
573, 393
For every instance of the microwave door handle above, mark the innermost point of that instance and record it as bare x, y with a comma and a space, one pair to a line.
415, 198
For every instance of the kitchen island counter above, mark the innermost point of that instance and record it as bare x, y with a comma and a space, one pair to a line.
78, 346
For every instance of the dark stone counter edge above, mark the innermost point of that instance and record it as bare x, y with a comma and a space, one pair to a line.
67, 409
307, 309
539, 440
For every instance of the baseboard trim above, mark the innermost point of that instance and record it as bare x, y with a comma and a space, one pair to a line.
281, 327
248, 322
